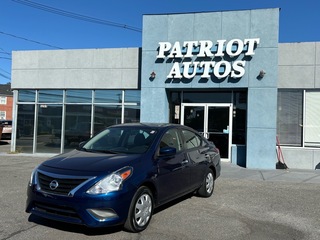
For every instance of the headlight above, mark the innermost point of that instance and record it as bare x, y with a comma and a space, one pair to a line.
32, 180
112, 182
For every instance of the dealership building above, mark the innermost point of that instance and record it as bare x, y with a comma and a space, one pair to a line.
222, 73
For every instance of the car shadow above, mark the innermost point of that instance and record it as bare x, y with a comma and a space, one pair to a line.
173, 203
81, 229
68, 227
3, 142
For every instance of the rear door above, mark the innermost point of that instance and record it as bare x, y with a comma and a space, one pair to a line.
196, 152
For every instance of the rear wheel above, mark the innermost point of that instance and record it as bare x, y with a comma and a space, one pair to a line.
207, 187
140, 212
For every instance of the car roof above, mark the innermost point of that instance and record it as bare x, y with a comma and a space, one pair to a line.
149, 125
154, 126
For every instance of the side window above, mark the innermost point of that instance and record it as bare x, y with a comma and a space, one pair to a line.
191, 140
171, 139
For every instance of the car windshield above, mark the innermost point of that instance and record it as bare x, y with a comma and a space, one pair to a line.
122, 140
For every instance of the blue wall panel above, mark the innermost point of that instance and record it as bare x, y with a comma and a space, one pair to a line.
213, 26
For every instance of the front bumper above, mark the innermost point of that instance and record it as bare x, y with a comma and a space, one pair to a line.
90, 210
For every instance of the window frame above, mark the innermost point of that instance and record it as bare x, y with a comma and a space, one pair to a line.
304, 118
3, 100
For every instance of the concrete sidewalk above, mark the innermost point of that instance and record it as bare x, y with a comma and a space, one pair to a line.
232, 171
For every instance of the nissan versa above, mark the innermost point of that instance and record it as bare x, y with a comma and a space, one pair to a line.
119, 176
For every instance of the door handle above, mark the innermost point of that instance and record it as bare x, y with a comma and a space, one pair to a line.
185, 161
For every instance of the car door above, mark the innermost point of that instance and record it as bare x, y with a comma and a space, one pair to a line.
173, 168
197, 156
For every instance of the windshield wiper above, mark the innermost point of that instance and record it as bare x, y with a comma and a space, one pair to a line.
103, 151
97, 150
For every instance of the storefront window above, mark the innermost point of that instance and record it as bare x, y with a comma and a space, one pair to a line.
131, 114
50, 96
108, 107
78, 96
312, 119
27, 96
25, 128
175, 105
108, 96
290, 120
132, 96
239, 113
78, 125
49, 128
105, 116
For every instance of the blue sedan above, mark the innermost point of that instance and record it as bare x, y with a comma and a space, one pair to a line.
119, 176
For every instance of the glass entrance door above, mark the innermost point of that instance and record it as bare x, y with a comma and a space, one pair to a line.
214, 121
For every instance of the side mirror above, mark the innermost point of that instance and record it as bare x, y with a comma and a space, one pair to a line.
81, 144
167, 151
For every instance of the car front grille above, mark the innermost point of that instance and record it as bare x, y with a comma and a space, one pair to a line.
56, 210
61, 185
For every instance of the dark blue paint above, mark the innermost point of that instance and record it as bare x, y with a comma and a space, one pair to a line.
169, 174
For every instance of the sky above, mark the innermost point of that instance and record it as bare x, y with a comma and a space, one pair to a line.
89, 24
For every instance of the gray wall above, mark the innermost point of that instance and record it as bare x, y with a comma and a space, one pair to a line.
299, 67
81, 69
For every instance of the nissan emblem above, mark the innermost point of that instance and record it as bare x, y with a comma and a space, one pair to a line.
53, 184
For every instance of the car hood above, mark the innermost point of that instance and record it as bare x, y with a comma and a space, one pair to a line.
87, 162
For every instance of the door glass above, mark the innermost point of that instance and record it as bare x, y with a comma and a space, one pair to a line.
218, 128
49, 128
194, 117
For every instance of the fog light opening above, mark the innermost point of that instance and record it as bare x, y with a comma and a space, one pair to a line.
102, 214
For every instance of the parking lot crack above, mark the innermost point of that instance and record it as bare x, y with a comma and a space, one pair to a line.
18, 232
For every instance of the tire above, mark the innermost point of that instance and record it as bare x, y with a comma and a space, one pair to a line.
207, 186
140, 211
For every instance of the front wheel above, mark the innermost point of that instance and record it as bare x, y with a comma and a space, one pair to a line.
207, 187
140, 211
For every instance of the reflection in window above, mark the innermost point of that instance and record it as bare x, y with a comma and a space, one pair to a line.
24, 142
78, 96
131, 114
191, 140
105, 116
78, 125
175, 105
108, 96
132, 96
108, 109
27, 96
50, 96
49, 128
171, 139
239, 117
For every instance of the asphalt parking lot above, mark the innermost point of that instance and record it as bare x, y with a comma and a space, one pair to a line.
246, 204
